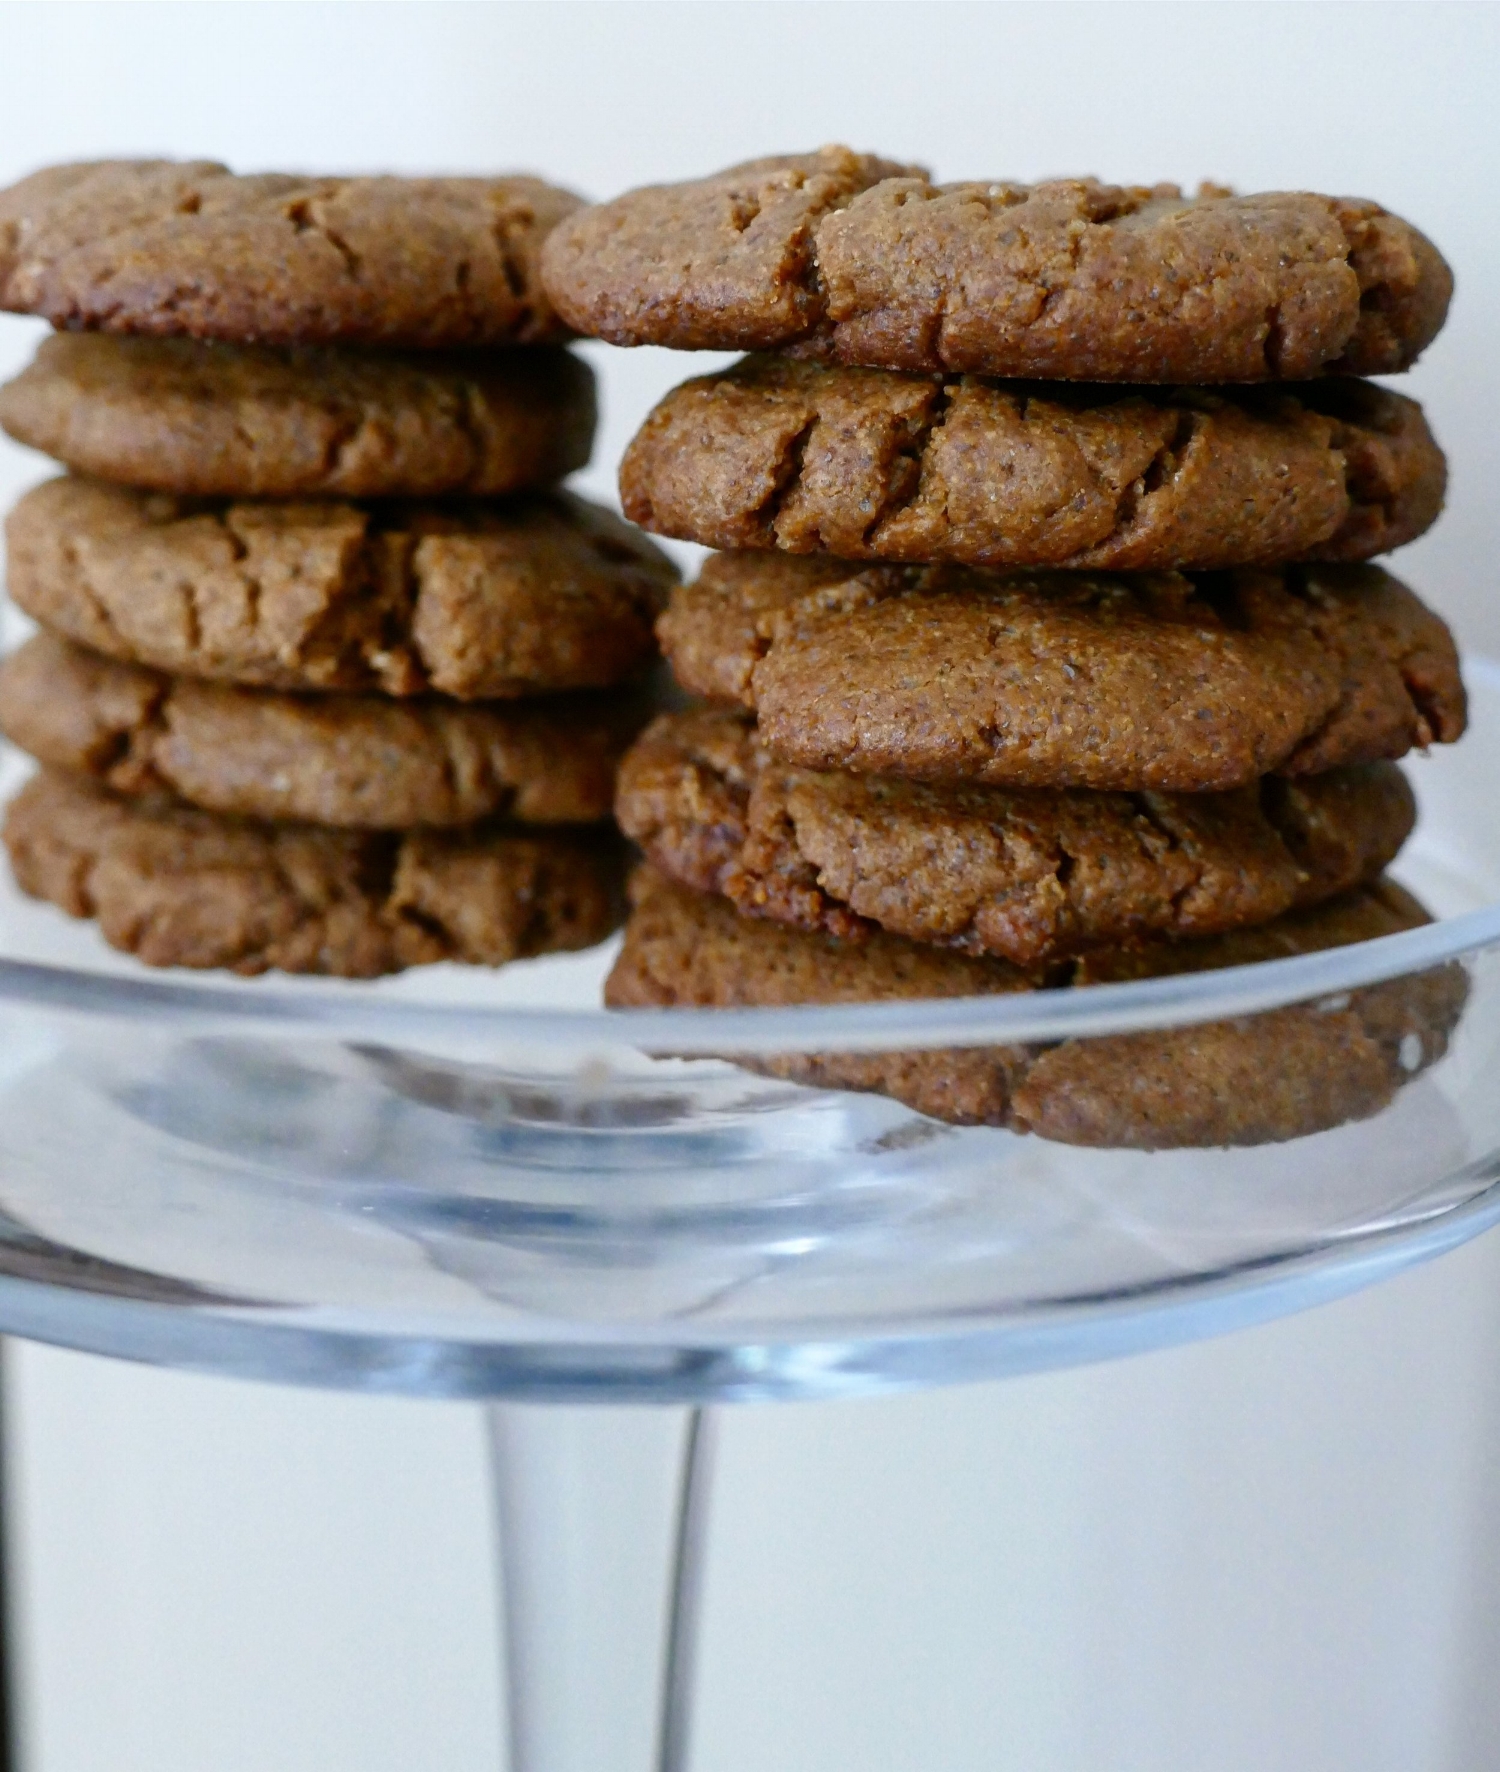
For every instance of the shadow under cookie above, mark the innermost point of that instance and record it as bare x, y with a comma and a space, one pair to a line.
178, 887
1254, 1080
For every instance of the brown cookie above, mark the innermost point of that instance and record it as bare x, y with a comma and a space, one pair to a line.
262, 421
873, 465
187, 248
178, 887
1153, 681
1254, 1080
358, 761
477, 601
1029, 874
1070, 280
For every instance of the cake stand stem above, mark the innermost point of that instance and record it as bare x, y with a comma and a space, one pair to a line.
602, 1517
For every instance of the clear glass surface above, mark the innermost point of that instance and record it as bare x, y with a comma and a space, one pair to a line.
462, 1182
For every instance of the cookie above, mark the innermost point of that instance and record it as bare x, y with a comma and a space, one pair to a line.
1071, 680
262, 421
476, 601
1027, 874
178, 887
1254, 1080
1070, 280
188, 249
873, 465
358, 761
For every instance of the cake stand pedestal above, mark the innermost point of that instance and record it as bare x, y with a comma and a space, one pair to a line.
603, 1516
479, 1186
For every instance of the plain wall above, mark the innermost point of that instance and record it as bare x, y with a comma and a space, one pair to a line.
1267, 1554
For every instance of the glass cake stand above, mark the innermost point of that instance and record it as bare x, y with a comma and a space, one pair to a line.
479, 1185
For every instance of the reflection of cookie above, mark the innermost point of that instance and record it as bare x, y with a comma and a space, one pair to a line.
1254, 1080
359, 761
472, 600
178, 887
1027, 874
1068, 680
1071, 279
242, 421
871, 465
187, 248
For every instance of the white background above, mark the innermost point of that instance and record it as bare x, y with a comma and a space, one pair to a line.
1271, 1554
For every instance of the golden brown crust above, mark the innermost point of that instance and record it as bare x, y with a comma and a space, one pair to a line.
189, 249
1029, 875
1153, 681
361, 762
178, 887
1256, 1080
873, 465
1071, 280
248, 421
476, 601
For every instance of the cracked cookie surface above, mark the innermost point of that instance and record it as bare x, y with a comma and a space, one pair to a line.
357, 761
1256, 1080
1029, 875
247, 421
1071, 280
187, 248
1069, 680
869, 464
179, 887
476, 601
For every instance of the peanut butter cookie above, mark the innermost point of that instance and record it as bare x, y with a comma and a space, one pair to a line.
178, 887
476, 601
873, 465
1256, 1080
186, 248
1028, 874
263, 421
1071, 280
363, 762
1125, 682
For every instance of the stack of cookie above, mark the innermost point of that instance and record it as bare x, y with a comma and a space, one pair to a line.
1019, 677
322, 677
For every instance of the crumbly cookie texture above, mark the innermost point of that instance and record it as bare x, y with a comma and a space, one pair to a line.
1071, 280
1073, 680
1027, 874
1255, 1080
731, 257
474, 600
188, 248
179, 887
264, 421
362, 762
873, 465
